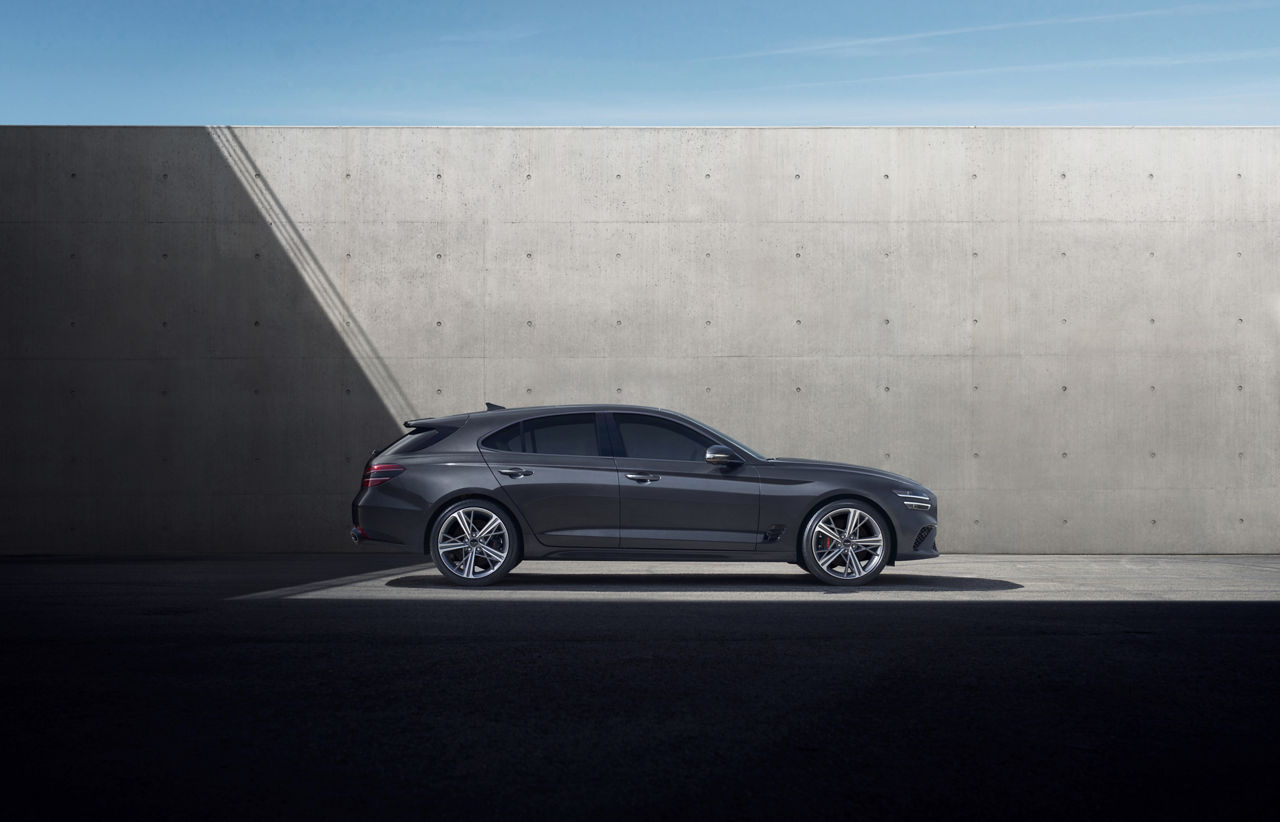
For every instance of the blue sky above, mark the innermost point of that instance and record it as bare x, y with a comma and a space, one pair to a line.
909, 62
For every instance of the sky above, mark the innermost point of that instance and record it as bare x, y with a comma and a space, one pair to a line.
652, 63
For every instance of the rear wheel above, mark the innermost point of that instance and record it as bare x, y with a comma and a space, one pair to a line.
845, 543
474, 542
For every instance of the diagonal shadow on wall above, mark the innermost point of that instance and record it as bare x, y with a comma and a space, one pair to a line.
173, 381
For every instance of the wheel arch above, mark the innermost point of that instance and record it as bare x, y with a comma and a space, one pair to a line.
836, 496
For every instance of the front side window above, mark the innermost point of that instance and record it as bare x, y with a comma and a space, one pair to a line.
565, 434
655, 438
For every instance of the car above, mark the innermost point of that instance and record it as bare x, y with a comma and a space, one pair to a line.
481, 492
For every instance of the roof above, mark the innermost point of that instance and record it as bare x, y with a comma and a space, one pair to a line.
497, 414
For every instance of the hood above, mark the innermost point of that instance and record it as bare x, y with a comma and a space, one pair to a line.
844, 466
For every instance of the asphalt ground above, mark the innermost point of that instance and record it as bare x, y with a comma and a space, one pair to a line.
341, 686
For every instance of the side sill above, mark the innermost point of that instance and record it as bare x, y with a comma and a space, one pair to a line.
638, 555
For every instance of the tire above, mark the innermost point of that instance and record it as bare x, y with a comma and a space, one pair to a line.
838, 555
474, 542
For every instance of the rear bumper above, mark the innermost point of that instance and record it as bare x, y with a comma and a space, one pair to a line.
384, 520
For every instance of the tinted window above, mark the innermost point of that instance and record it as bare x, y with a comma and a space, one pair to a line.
568, 434
418, 440
508, 439
655, 438
573, 434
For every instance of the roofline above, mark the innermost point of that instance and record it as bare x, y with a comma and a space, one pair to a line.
431, 422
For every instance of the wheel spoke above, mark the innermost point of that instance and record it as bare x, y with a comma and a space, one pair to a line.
491, 554
869, 542
855, 519
452, 545
469, 568
828, 531
826, 561
463, 523
853, 564
489, 527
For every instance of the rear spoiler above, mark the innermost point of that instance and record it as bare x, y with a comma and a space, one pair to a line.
433, 423
419, 424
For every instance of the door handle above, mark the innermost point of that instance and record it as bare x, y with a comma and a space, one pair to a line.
644, 479
515, 472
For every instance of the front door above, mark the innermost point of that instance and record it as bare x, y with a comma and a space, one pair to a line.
672, 499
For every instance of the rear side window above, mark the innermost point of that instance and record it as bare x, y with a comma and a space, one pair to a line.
655, 438
566, 434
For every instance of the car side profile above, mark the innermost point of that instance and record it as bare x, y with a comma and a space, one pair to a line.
481, 492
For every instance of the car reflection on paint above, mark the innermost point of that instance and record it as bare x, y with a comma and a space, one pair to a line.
480, 492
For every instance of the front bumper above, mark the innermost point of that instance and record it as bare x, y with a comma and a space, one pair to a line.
924, 545
917, 526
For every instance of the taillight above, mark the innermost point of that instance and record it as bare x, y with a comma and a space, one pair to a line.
375, 475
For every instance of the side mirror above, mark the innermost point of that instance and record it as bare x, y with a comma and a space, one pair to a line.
722, 455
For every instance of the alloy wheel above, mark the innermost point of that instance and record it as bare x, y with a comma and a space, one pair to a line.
473, 542
847, 543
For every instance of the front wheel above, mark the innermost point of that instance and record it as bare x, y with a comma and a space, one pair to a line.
845, 543
474, 542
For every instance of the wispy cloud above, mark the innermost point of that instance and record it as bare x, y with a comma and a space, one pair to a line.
855, 46
488, 36
1070, 65
1249, 105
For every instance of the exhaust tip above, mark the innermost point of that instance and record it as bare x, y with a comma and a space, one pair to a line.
357, 534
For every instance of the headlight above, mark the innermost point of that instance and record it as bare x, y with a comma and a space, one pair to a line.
914, 499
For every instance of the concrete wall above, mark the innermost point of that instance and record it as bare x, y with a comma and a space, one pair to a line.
1070, 334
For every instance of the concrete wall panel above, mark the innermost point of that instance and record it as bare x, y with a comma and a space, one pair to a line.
207, 329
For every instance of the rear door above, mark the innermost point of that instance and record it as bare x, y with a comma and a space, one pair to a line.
554, 472
672, 499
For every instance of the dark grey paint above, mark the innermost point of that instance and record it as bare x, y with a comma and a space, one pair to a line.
587, 507
688, 505
567, 501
